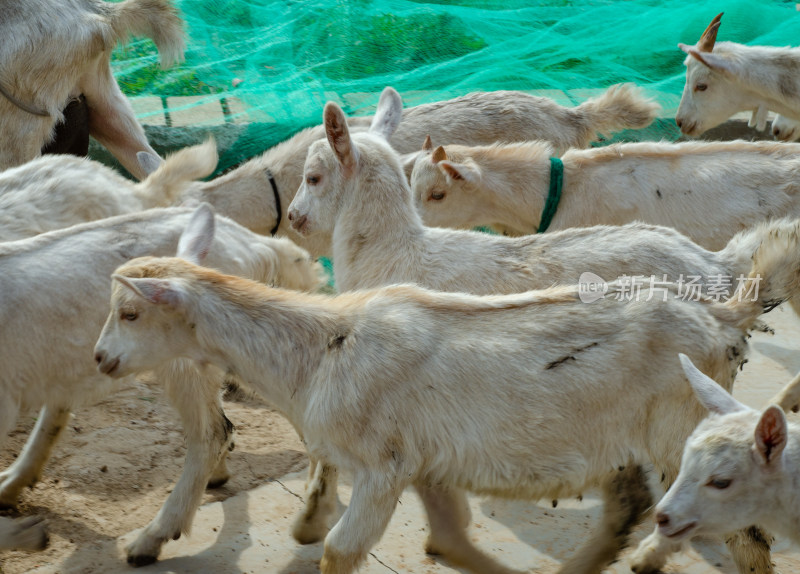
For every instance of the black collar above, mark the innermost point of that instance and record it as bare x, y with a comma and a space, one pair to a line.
277, 201
23, 106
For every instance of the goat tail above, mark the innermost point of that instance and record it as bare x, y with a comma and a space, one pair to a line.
156, 19
774, 275
622, 106
164, 185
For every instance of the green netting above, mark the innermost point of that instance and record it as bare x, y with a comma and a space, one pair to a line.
273, 64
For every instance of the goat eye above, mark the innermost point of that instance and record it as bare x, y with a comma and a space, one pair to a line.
700, 87
312, 180
437, 195
719, 483
129, 315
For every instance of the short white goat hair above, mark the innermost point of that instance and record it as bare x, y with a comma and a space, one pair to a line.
739, 467
474, 119
54, 51
406, 386
48, 334
56, 191
723, 78
707, 190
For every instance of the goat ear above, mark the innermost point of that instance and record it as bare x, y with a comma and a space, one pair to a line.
407, 160
771, 435
149, 162
438, 155
339, 135
388, 115
198, 236
709, 393
427, 145
710, 60
709, 36
155, 291
460, 171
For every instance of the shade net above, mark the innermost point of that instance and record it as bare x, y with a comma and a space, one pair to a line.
271, 65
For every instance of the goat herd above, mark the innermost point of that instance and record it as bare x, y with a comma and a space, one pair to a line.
452, 361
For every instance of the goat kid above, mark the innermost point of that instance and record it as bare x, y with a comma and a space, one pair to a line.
377, 381
723, 78
708, 191
54, 51
739, 468
48, 334
474, 119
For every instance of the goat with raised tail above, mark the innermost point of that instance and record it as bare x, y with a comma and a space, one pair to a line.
57, 191
739, 467
448, 391
248, 193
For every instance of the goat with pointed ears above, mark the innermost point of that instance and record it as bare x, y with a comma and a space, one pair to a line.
723, 78
739, 468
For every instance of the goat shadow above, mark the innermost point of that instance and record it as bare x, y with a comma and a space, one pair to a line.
558, 532
221, 555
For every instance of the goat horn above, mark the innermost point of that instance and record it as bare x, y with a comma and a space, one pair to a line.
427, 145
438, 155
709, 37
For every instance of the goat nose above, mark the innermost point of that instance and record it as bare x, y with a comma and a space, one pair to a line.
99, 356
679, 122
299, 222
662, 519
290, 215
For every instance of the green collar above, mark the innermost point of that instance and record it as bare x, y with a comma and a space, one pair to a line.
554, 195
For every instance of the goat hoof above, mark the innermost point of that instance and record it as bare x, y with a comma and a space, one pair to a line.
215, 483
141, 560
431, 550
305, 533
307, 537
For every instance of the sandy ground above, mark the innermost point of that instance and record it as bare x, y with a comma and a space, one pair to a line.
118, 459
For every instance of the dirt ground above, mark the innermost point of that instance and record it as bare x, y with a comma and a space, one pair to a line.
118, 460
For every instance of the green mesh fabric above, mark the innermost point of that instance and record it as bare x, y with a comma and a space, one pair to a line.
273, 64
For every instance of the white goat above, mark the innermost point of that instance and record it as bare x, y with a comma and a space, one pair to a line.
479, 118
707, 190
355, 187
53, 51
723, 78
444, 391
56, 191
48, 334
739, 467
